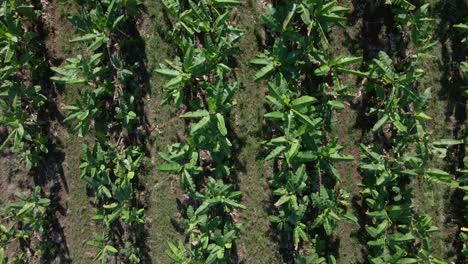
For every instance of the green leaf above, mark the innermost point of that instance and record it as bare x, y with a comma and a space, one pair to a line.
69, 81
344, 61
441, 176
380, 123
461, 26
220, 124
265, 71
289, 17
86, 37
306, 119
422, 116
170, 167
402, 3
293, 149
303, 101
277, 115
226, 3
351, 217
111, 249
275, 152
405, 237
336, 104
370, 153
438, 173
400, 127
106, 191
26, 209
298, 235
168, 72
322, 70
97, 43
338, 157
283, 199
407, 261
196, 114
110, 206
2, 256
353, 72
447, 142
26, 10
377, 230
175, 81
201, 124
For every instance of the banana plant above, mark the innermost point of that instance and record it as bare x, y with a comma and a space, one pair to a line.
125, 111
12, 34
294, 49
202, 17
195, 64
84, 71
292, 204
419, 23
394, 90
223, 242
25, 220
31, 212
279, 59
178, 253
464, 238
6, 235
104, 250
182, 159
335, 66
220, 195
316, 17
332, 208
111, 174
294, 115
314, 256
210, 239
99, 23
24, 137
130, 253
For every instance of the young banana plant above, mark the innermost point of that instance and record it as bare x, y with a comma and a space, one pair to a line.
91, 76
182, 159
111, 175
100, 242
420, 25
26, 221
100, 23
332, 208
197, 63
